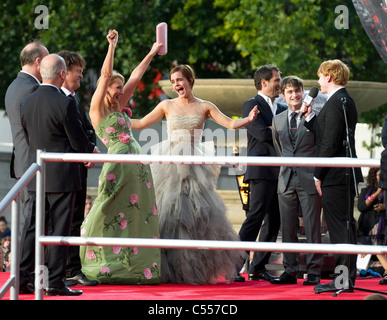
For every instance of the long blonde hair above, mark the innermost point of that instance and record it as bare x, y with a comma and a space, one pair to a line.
115, 75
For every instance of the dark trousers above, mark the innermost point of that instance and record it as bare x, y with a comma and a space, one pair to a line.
263, 217
58, 218
73, 260
335, 212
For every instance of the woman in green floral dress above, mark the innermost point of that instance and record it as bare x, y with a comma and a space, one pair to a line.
125, 206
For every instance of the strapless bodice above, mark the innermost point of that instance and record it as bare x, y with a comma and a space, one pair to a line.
183, 128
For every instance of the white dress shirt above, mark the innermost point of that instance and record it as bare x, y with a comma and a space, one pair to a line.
273, 105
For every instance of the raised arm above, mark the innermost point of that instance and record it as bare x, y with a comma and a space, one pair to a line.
215, 114
137, 74
97, 101
152, 117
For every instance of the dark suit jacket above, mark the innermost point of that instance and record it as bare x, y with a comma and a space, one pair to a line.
260, 139
22, 86
383, 159
86, 125
330, 130
52, 123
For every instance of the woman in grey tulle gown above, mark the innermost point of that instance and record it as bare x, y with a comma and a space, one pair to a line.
188, 204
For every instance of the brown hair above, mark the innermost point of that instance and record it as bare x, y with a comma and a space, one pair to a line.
292, 81
187, 72
264, 73
72, 59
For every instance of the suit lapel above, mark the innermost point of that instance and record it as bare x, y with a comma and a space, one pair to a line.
264, 109
77, 100
284, 123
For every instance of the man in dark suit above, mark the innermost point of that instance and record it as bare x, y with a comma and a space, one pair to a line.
75, 65
296, 190
330, 129
263, 206
52, 123
26, 82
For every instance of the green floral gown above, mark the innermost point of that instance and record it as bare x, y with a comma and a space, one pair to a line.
125, 208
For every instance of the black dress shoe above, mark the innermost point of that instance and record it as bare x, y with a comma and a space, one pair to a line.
285, 278
261, 276
329, 287
80, 279
237, 278
27, 289
64, 291
312, 280
383, 281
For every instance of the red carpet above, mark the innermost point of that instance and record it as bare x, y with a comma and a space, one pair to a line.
221, 300
249, 290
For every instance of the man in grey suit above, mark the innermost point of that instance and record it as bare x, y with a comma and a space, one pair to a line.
296, 188
27, 81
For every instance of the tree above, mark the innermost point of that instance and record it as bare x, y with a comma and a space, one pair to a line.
295, 35
82, 26
219, 38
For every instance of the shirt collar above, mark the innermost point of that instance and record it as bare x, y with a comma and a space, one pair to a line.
30, 74
67, 92
51, 85
273, 105
333, 92
290, 112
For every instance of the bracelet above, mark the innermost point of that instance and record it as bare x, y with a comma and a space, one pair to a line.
370, 199
373, 196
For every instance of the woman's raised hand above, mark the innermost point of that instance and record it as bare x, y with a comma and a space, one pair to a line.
112, 37
155, 48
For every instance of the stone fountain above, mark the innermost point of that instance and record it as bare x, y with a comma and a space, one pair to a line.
229, 94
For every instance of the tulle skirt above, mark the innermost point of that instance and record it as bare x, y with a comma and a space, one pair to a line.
190, 208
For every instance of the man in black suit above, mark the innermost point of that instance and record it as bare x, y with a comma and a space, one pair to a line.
26, 82
331, 183
75, 65
263, 180
52, 123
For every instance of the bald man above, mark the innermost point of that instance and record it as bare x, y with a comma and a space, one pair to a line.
52, 122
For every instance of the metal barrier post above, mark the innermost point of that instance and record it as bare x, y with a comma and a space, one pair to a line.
13, 197
39, 225
15, 248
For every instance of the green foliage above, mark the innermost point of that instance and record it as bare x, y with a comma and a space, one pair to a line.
82, 26
219, 38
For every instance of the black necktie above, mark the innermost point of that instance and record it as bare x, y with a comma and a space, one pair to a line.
293, 126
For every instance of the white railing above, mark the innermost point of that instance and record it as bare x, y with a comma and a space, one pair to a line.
42, 240
211, 160
13, 196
